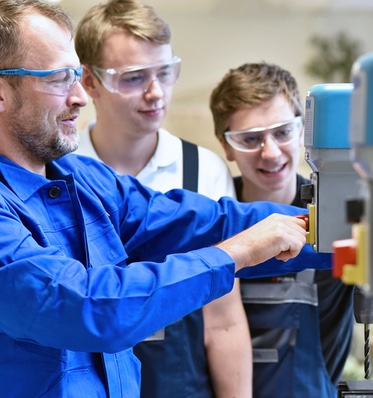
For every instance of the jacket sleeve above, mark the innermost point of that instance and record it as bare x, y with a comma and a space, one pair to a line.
49, 297
52, 299
181, 221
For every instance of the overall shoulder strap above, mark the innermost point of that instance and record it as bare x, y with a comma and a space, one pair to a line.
190, 166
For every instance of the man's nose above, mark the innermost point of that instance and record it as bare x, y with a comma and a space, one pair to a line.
270, 148
77, 95
154, 89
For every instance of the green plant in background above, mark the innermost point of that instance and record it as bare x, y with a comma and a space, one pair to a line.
334, 57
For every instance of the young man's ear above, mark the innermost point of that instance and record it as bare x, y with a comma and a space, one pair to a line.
90, 82
229, 154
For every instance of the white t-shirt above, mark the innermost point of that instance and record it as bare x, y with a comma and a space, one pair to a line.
164, 171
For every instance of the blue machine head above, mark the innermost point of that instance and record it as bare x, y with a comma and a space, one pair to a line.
327, 113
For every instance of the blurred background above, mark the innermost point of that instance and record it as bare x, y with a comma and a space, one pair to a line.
317, 41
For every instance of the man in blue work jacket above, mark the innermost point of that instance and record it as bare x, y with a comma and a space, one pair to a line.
90, 261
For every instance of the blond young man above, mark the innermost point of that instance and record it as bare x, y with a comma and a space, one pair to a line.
129, 72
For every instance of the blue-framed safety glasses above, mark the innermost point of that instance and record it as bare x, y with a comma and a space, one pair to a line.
53, 81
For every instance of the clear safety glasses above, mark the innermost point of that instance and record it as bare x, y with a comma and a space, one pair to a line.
54, 81
137, 79
254, 139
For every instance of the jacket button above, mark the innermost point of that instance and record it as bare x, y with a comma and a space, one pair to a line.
54, 192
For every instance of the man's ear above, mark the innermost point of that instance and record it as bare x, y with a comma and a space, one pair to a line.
90, 82
3, 92
227, 149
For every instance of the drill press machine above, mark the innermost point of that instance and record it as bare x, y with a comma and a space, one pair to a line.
327, 152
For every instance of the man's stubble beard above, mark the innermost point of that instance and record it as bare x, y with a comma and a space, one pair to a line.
34, 137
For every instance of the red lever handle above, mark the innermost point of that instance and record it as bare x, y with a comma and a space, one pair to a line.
305, 218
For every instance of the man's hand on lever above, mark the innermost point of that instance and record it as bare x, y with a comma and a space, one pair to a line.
277, 236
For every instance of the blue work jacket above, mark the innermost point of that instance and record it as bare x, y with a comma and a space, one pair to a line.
89, 264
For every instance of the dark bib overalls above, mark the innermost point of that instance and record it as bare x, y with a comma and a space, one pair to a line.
173, 360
